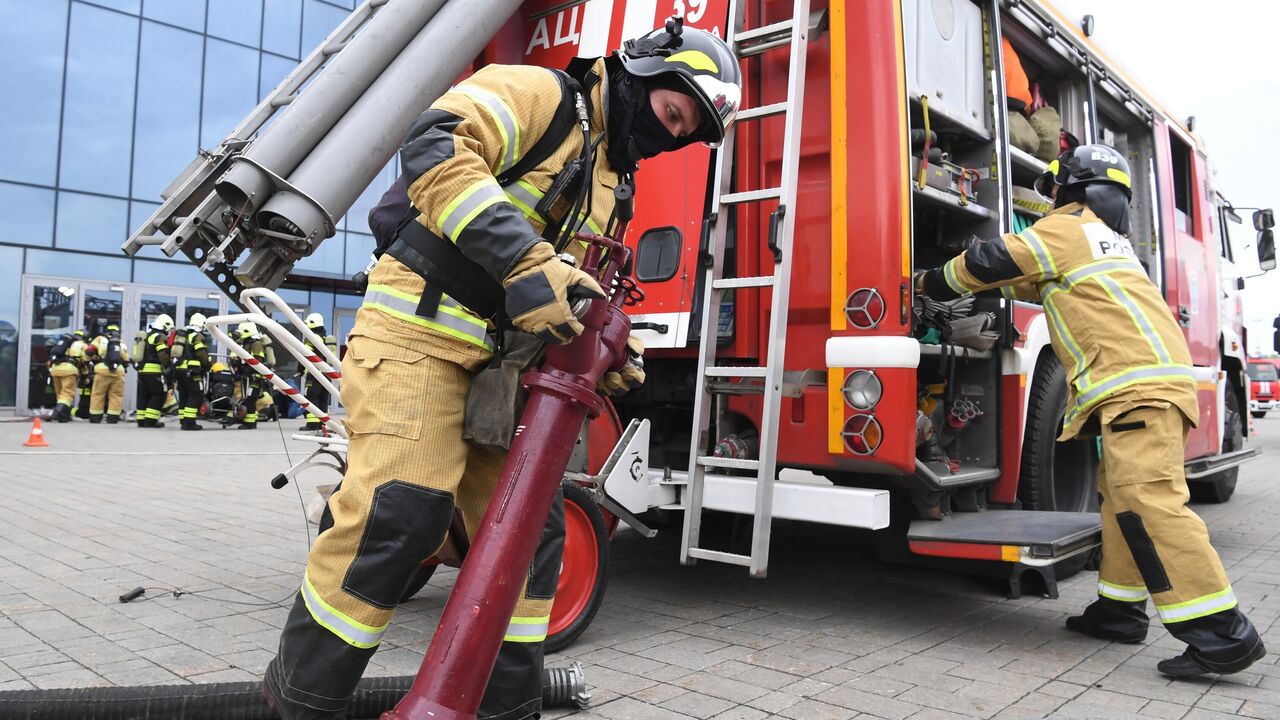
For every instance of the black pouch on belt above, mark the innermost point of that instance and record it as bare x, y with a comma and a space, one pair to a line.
496, 400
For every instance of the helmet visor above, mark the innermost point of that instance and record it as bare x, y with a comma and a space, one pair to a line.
718, 102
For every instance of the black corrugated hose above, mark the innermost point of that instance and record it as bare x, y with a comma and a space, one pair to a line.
561, 687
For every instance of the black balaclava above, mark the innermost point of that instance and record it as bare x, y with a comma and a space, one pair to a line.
635, 131
1107, 200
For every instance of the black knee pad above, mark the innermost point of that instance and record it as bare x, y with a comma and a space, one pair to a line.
406, 523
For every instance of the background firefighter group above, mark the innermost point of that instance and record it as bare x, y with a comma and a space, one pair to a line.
177, 374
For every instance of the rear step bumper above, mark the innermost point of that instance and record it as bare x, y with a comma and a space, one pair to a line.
1208, 466
1027, 540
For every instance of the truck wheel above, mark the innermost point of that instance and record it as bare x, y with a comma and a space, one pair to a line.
1258, 413
1056, 476
584, 570
1219, 487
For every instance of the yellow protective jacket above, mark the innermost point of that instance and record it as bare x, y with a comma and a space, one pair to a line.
101, 343
1108, 323
155, 354
476, 131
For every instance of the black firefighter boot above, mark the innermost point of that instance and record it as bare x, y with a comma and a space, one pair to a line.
62, 413
112, 419
1222, 643
190, 424
95, 419
1107, 619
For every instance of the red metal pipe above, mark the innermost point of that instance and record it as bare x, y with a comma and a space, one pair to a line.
562, 395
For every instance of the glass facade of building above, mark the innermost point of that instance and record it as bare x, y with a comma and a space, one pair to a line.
108, 100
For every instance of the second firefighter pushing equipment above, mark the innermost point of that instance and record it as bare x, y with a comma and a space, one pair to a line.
1130, 380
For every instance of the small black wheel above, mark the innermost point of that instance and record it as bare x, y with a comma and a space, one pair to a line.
1219, 487
584, 569
1258, 413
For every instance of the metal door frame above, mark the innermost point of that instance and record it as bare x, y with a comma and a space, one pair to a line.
131, 295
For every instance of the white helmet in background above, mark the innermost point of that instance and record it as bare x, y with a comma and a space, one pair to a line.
162, 322
197, 322
246, 330
315, 320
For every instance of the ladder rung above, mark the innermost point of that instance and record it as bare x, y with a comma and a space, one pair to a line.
764, 31
751, 196
716, 555
723, 462
743, 282
737, 372
725, 387
764, 47
764, 110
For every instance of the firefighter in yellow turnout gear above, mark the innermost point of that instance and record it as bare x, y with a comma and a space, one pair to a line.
189, 371
108, 376
65, 357
1130, 380
253, 397
314, 391
414, 349
152, 364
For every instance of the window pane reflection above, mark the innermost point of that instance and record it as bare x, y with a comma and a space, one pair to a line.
32, 40
230, 89
238, 20
187, 13
168, 127
101, 307
76, 265
26, 215
317, 22
89, 222
97, 125
281, 26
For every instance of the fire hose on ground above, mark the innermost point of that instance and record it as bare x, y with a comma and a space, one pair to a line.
561, 687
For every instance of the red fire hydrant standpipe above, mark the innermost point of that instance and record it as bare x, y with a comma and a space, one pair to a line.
562, 394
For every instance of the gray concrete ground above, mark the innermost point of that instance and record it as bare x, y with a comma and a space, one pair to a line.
831, 633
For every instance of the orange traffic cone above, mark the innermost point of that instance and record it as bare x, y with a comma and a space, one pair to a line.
36, 439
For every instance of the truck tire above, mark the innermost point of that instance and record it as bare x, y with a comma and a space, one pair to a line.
1055, 476
1219, 487
584, 570
1258, 413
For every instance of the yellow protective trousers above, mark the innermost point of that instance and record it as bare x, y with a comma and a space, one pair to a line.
66, 377
108, 392
1154, 546
408, 468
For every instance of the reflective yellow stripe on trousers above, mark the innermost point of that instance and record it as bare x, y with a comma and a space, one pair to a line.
527, 629
1123, 593
451, 318
353, 632
1197, 608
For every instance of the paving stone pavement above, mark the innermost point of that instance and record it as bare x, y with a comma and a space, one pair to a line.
831, 633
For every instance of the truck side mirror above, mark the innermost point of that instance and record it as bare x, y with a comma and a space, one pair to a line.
1264, 219
1266, 249
658, 254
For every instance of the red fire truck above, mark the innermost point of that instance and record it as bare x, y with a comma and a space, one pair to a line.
879, 419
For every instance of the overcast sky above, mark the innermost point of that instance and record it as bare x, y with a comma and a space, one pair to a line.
1218, 62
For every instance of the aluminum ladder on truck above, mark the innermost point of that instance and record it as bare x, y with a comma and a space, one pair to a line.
792, 33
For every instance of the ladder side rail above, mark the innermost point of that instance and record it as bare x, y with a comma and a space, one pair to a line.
709, 337
781, 295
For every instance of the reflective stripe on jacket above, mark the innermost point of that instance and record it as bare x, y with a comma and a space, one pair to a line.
454, 151
1108, 323
155, 356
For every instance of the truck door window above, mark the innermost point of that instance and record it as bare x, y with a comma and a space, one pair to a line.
1183, 190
